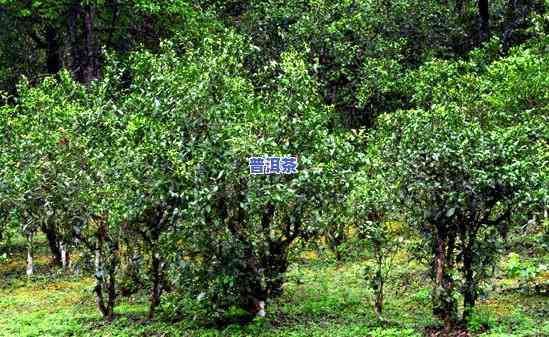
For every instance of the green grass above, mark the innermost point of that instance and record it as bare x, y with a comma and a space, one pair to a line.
320, 299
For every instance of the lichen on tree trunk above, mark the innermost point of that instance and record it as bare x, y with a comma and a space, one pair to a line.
30, 254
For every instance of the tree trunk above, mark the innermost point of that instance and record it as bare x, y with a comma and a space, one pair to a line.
30, 253
99, 284
104, 282
469, 292
444, 306
53, 51
111, 291
276, 265
484, 15
65, 256
337, 254
85, 61
335, 241
53, 243
379, 298
262, 311
90, 70
156, 291
470, 285
256, 307
255, 294
378, 281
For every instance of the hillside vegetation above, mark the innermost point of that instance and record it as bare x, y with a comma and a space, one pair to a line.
141, 194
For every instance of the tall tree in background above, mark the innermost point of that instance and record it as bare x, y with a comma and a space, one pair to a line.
84, 45
48, 35
484, 15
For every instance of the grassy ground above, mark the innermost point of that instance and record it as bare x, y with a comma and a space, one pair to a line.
320, 299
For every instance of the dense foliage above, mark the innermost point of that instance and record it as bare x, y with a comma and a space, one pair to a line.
420, 128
